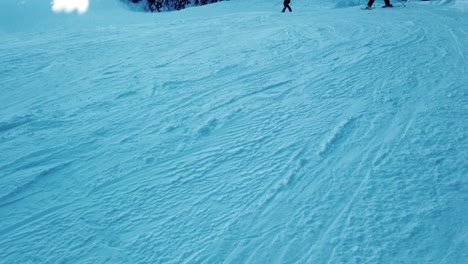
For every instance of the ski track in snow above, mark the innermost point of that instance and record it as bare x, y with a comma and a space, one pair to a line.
247, 137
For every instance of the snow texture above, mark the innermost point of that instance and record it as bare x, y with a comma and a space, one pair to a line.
234, 133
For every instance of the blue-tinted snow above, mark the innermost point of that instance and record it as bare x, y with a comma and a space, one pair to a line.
232, 133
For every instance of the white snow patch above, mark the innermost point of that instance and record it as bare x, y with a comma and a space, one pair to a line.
68, 6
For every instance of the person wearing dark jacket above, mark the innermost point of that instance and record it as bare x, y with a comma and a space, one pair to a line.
286, 5
371, 2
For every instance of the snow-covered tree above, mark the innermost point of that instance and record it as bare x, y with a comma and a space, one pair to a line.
167, 5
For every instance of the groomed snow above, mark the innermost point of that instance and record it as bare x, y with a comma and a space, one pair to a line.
233, 133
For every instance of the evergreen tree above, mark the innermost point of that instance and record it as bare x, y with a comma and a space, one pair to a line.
167, 5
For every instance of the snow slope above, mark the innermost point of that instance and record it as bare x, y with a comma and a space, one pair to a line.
232, 133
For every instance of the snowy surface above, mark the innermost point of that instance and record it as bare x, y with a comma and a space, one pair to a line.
233, 133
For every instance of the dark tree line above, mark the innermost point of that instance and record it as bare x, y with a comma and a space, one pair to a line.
169, 5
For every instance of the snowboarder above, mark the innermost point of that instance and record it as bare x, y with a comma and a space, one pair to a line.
371, 2
286, 5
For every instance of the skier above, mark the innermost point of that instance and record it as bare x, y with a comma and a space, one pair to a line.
286, 5
371, 2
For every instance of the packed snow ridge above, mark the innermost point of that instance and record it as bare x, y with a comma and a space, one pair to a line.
234, 133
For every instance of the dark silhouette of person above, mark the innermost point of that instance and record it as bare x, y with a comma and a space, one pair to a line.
286, 5
371, 2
